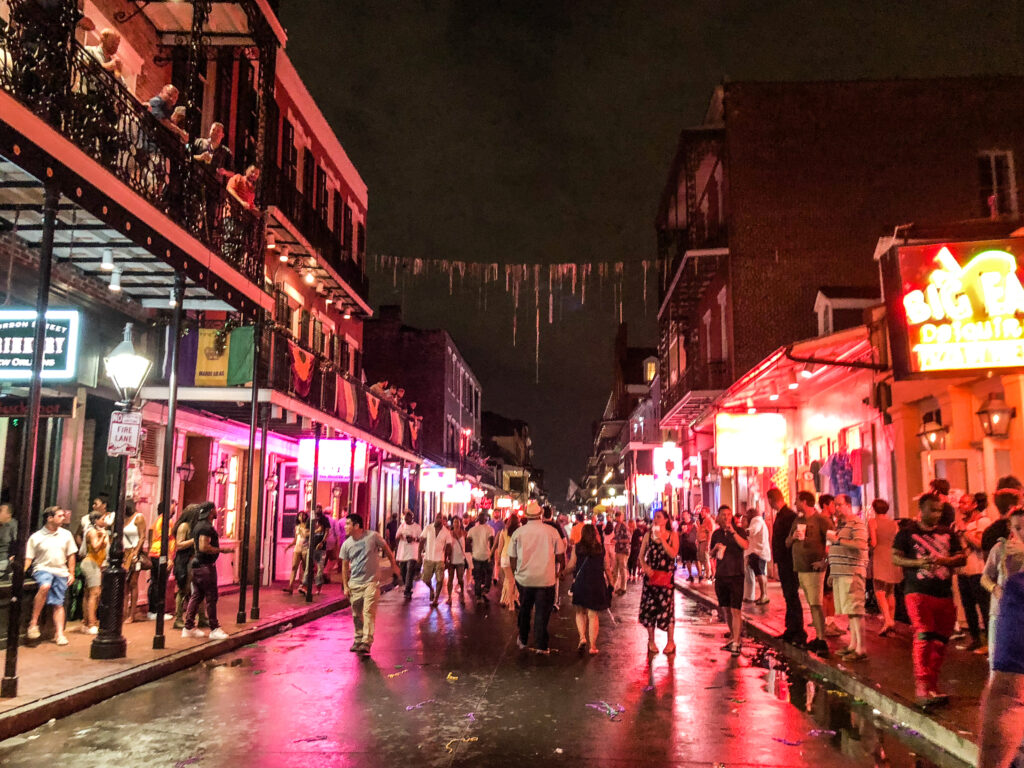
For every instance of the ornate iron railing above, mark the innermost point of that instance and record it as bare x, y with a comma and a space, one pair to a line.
49, 72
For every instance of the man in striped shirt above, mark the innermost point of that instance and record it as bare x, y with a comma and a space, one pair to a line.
848, 561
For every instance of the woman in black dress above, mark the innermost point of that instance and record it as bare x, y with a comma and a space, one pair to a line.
590, 593
688, 544
658, 561
636, 535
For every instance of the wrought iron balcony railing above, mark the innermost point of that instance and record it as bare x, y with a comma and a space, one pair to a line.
44, 68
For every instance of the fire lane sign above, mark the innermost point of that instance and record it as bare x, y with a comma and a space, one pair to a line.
125, 435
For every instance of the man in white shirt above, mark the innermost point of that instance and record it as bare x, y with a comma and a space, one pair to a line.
536, 552
408, 551
481, 541
50, 553
435, 555
759, 553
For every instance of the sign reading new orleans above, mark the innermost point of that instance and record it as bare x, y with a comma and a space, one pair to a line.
17, 338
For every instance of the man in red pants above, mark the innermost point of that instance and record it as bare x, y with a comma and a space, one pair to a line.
929, 553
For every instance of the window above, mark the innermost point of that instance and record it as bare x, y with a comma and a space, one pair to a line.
289, 153
318, 336
303, 332
673, 360
321, 194
997, 187
346, 232
308, 176
651, 370
725, 337
707, 336
360, 241
337, 217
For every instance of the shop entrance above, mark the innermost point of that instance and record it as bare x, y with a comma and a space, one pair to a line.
962, 468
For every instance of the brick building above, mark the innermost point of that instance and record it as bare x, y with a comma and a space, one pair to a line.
773, 206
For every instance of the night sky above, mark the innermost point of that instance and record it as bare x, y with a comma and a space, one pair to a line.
543, 131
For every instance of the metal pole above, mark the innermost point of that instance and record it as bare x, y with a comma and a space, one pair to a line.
381, 512
110, 643
402, 501
169, 470
254, 416
254, 611
352, 477
26, 500
312, 512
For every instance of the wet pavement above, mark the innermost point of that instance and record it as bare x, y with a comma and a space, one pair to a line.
447, 686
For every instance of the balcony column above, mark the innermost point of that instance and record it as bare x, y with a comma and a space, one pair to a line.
254, 417
254, 611
196, 65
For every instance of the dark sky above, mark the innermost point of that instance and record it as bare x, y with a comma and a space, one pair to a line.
542, 132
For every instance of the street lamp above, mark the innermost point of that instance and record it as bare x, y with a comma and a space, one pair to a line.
932, 434
128, 371
995, 416
186, 471
220, 474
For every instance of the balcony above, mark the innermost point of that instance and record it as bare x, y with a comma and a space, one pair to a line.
693, 392
297, 225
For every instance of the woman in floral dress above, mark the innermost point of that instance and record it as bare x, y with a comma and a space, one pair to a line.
658, 561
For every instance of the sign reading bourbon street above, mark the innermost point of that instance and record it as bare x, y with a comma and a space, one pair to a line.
956, 306
17, 337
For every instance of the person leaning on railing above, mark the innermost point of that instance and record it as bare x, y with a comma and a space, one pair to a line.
241, 202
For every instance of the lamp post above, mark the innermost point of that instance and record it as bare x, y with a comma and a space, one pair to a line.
127, 370
310, 549
995, 416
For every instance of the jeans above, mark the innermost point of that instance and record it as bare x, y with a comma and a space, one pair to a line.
408, 569
204, 586
481, 577
932, 619
363, 598
543, 598
794, 610
974, 599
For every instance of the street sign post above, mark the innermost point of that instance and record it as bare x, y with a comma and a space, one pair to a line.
125, 434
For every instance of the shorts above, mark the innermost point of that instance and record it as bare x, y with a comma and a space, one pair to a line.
58, 586
92, 574
729, 591
848, 592
459, 568
1008, 654
430, 567
757, 564
813, 585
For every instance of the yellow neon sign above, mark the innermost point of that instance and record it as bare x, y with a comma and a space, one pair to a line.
968, 317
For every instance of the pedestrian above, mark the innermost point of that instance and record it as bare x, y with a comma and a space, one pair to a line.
536, 556
435, 555
8, 535
928, 552
392, 531
688, 544
509, 593
408, 551
620, 536
300, 551
360, 578
93, 553
635, 537
155, 543
1002, 704
970, 527
1005, 559
827, 505
134, 540
885, 576
457, 565
657, 599
204, 573
807, 540
547, 517
705, 527
50, 556
184, 549
782, 554
318, 541
591, 588
481, 544
1007, 497
848, 565
729, 544
759, 552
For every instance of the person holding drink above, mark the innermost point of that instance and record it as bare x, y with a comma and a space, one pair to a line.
807, 539
729, 544
657, 600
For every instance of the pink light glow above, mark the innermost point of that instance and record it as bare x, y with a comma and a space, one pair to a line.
335, 459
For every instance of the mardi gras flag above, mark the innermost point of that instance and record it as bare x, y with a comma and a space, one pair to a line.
240, 356
211, 360
348, 403
373, 403
302, 369
397, 427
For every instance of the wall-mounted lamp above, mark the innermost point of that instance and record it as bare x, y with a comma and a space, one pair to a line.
995, 416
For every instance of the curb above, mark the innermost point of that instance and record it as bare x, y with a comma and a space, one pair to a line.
58, 705
891, 708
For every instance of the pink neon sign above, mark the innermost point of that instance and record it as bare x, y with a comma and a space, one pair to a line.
335, 459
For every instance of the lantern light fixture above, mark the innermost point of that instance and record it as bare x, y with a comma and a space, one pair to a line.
107, 261
186, 471
933, 433
995, 416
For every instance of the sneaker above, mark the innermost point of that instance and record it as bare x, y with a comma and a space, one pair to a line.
355, 646
219, 634
33, 632
93, 630
178, 624
520, 644
61, 640
819, 647
151, 617
193, 633
364, 649
834, 630
974, 645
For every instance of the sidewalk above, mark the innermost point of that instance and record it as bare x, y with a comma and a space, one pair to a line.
885, 680
55, 681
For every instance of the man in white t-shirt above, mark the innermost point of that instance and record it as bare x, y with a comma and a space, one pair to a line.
50, 553
360, 578
408, 551
481, 541
536, 552
435, 556
759, 553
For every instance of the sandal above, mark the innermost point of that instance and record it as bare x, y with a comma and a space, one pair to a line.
670, 649
582, 645
652, 648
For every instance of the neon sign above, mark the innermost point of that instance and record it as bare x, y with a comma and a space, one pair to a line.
668, 465
963, 313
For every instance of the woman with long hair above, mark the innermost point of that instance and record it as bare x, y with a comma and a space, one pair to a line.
636, 535
688, 545
134, 538
884, 575
300, 547
590, 592
509, 592
95, 546
457, 566
657, 600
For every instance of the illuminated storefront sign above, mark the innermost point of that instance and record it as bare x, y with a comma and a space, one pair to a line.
17, 336
750, 439
961, 307
668, 465
335, 459
645, 489
459, 493
436, 479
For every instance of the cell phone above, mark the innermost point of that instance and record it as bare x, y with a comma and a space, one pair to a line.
656, 528
588, 522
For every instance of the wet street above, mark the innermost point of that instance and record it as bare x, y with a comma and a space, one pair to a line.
447, 686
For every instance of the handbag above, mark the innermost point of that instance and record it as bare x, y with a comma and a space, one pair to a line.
145, 562
659, 578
